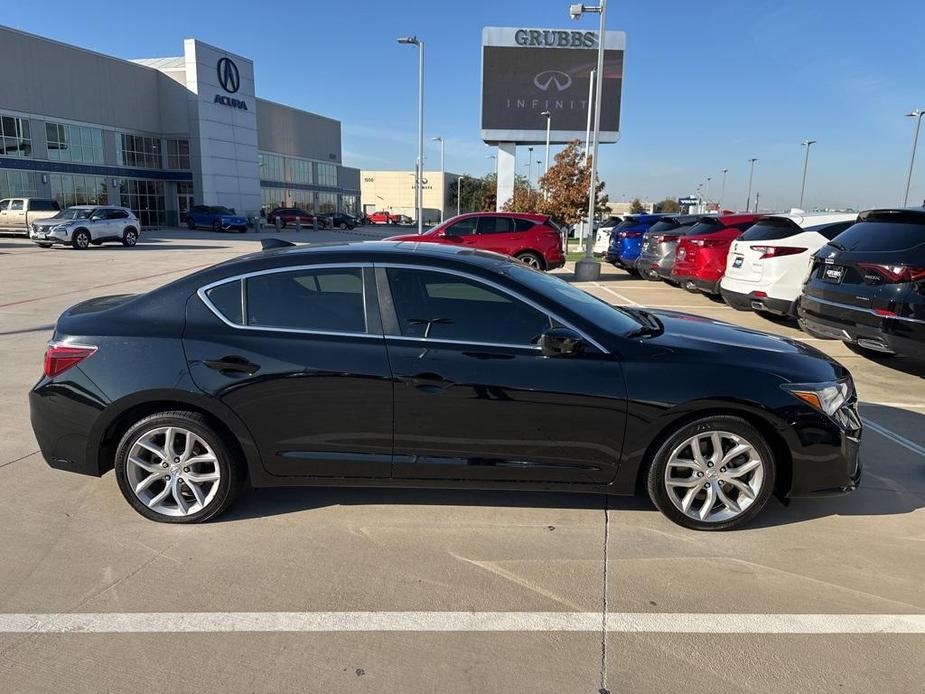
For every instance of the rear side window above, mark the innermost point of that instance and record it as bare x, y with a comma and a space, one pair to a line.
830, 231
43, 206
882, 236
117, 214
664, 225
324, 299
706, 227
523, 224
496, 225
771, 230
227, 300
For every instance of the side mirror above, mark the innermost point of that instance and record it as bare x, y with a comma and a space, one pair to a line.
561, 342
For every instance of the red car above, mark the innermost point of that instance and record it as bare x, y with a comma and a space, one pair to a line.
288, 215
384, 218
531, 238
700, 259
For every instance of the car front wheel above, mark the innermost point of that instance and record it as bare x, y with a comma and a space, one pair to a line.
81, 240
716, 473
173, 467
129, 238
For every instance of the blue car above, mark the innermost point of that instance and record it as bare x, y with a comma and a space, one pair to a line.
215, 217
626, 240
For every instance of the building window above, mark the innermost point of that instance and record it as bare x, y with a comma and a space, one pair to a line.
303, 199
70, 190
137, 150
74, 143
15, 138
351, 204
178, 154
301, 170
327, 175
271, 198
185, 199
16, 184
271, 167
327, 202
146, 200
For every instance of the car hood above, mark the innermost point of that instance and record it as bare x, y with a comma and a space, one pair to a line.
49, 222
707, 340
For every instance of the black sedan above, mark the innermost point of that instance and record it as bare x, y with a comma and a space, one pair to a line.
340, 220
406, 364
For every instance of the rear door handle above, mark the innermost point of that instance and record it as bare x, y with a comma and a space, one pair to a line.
232, 364
429, 382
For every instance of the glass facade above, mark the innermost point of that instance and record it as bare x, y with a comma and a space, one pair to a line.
69, 190
16, 184
304, 199
178, 154
15, 137
272, 167
271, 198
185, 198
74, 143
327, 202
327, 175
301, 170
146, 199
138, 151
351, 204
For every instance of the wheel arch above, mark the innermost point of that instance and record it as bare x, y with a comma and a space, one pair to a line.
763, 421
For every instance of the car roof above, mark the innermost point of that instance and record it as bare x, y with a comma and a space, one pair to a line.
915, 215
815, 219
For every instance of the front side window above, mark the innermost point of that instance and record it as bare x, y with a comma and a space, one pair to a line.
323, 299
441, 306
466, 227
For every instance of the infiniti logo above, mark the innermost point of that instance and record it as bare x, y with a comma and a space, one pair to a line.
548, 78
228, 75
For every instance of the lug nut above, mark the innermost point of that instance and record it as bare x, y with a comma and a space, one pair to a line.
706, 486
699, 474
722, 469
164, 464
167, 477
186, 469
709, 464
176, 460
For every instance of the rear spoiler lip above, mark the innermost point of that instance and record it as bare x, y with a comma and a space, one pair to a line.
271, 244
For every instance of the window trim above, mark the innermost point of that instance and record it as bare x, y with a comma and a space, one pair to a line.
370, 330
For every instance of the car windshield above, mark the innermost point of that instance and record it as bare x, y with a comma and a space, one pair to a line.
74, 213
221, 210
595, 310
882, 236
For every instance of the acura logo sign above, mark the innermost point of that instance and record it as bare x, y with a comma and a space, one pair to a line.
552, 78
228, 75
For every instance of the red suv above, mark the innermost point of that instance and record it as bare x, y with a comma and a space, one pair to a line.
700, 260
289, 215
384, 218
531, 238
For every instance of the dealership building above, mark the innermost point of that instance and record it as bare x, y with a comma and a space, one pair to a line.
159, 135
393, 191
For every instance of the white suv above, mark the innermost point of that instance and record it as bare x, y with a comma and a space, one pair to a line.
83, 225
768, 264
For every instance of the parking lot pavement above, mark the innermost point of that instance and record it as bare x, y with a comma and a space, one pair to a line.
542, 568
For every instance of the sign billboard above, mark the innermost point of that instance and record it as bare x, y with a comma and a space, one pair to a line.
528, 71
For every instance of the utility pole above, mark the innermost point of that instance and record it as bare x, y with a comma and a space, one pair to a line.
751, 175
917, 114
807, 144
722, 195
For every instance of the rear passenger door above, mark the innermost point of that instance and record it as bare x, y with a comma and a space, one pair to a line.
498, 234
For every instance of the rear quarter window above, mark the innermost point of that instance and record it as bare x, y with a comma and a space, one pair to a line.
226, 298
882, 236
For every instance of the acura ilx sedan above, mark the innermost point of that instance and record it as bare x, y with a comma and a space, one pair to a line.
425, 365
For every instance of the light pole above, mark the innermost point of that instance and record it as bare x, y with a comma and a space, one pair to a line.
708, 190
442, 177
458, 194
588, 269
722, 195
419, 184
917, 114
548, 116
529, 163
807, 144
751, 175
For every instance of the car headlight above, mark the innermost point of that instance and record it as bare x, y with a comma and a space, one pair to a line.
825, 397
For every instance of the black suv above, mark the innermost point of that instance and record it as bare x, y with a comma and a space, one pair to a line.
867, 285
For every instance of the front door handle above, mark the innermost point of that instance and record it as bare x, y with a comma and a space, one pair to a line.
232, 364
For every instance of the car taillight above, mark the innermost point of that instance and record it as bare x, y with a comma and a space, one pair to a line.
59, 358
777, 251
632, 234
896, 273
666, 237
885, 312
707, 243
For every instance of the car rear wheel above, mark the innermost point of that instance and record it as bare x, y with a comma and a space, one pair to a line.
190, 224
81, 240
716, 473
216, 225
531, 259
172, 467
129, 238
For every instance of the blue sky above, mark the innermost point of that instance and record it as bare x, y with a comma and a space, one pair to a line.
708, 84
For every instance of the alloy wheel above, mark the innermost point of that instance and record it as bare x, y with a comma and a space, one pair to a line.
173, 471
714, 476
531, 260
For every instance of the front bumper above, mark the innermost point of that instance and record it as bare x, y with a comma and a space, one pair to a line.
59, 238
750, 302
825, 453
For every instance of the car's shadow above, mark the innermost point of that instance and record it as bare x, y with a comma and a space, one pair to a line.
890, 486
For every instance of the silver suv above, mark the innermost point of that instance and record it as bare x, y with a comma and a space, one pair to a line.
83, 225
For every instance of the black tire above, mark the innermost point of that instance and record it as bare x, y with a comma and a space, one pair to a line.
655, 478
190, 224
81, 239
242, 230
216, 225
531, 259
129, 237
231, 467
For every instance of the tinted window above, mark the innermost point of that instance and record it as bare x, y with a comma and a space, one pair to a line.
830, 231
561, 292
466, 227
16, 204
4, 204
42, 206
882, 236
227, 299
523, 224
626, 224
496, 225
443, 306
771, 230
706, 228
323, 299
117, 214
220, 210
665, 225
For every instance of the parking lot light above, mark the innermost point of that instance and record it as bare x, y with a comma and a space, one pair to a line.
917, 114
751, 176
418, 183
807, 144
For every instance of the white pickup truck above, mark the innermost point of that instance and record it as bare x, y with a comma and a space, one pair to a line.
17, 214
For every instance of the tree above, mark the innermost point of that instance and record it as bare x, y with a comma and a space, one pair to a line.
668, 205
526, 198
565, 187
636, 207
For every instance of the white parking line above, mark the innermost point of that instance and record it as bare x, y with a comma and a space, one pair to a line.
893, 436
616, 294
626, 622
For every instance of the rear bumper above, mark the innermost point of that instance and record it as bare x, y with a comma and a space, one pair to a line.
836, 321
750, 302
554, 264
654, 267
706, 286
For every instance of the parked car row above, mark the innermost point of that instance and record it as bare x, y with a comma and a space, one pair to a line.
855, 278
